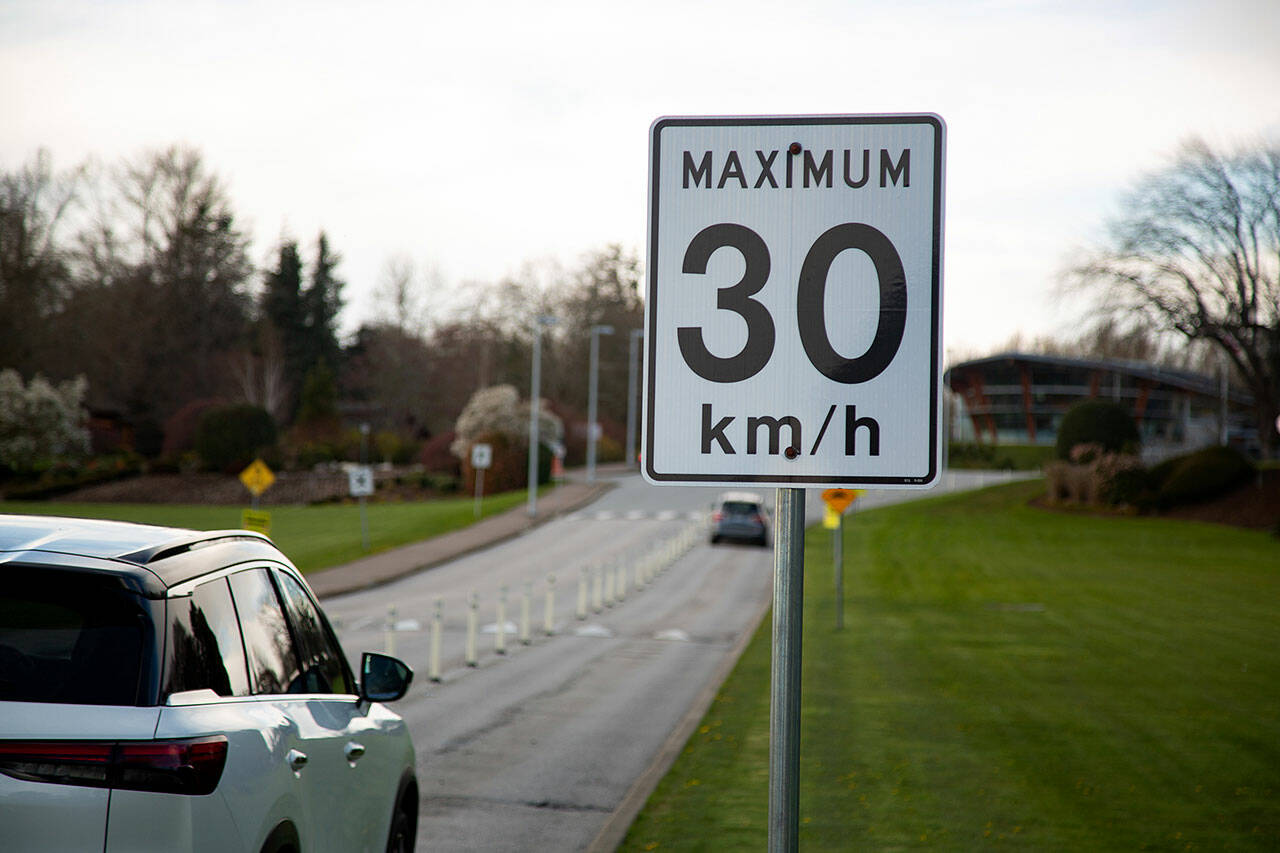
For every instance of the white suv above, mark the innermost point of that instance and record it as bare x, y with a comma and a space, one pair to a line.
173, 690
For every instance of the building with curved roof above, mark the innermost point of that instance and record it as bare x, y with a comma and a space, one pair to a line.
1020, 398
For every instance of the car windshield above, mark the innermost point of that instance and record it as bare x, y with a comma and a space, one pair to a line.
740, 508
69, 637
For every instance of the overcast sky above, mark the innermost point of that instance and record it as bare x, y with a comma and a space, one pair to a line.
476, 136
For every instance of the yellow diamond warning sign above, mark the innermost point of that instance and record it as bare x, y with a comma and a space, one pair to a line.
839, 499
257, 478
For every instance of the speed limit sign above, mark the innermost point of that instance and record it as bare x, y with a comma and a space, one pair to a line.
794, 305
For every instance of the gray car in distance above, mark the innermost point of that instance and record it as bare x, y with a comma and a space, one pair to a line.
740, 517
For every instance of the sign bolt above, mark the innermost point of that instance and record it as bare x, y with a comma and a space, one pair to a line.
791, 452
795, 148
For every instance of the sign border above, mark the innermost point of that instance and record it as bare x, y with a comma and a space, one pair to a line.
651, 314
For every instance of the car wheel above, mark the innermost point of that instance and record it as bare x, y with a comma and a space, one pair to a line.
404, 824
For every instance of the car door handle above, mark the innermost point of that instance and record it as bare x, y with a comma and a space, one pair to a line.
297, 760
354, 751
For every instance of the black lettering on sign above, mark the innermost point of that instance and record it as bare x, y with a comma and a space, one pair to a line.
774, 425
853, 423
702, 170
866, 166
732, 170
811, 296
766, 169
758, 349
892, 171
817, 170
715, 433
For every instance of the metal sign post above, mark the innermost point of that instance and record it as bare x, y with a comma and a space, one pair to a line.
838, 500
784, 706
837, 558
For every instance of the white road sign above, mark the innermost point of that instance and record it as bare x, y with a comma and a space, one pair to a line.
360, 479
794, 302
481, 456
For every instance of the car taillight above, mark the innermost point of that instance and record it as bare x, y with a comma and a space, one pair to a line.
167, 766
717, 516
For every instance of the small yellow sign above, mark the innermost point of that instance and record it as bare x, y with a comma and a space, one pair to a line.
840, 499
256, 520
831, 519
257, 478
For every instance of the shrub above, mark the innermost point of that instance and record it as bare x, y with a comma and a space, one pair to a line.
40, 423
609, 450
1120, 479
1098, 479
394, 448
180, 428
229, 437
1202, 475
436, 457
63, 477
1099, 422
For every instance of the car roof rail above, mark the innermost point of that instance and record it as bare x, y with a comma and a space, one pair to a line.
197, 540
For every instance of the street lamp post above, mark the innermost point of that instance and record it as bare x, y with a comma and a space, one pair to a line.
633, 361
593, 429
364, 460
535, 399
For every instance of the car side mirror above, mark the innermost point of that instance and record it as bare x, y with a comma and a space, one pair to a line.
383, 678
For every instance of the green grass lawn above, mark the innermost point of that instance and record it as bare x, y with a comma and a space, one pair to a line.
1009, 677
314, 537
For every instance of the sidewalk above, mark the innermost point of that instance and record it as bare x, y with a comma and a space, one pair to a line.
390, 565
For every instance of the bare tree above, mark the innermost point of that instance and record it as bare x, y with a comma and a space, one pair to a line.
259, 373
1197, 252
34, 269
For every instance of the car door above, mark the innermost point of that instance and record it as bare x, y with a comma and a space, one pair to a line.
289, 658
363, 780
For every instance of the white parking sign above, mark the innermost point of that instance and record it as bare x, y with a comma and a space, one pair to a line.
794, 302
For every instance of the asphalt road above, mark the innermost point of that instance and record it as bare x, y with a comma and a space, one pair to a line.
535, 748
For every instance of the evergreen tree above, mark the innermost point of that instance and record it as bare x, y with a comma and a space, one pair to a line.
322, 301
284, 309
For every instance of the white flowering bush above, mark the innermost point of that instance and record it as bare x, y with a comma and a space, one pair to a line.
40, 422
498, 409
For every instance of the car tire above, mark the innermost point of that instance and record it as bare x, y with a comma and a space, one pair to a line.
404, 822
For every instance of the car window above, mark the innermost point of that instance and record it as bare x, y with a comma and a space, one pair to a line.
70, 637
322, 665
205, 649
741, 508
269, 647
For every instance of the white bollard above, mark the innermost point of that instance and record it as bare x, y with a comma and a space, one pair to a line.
582, 594
597, 596
549, 623
390, 634
607, 571
525, 639
473, 627
621, 584
437, 619
500, 638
